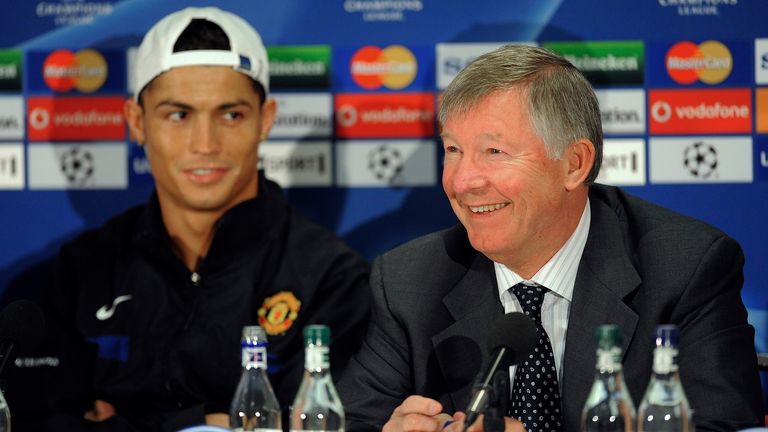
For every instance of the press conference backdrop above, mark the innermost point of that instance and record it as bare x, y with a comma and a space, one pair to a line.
680, 82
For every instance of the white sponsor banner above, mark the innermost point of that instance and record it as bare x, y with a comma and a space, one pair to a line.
294, 163
102, 165
703, 159
623, 162
11, 117
303, 115
12, 166
622, 111
453, 57
761, 61
386, 163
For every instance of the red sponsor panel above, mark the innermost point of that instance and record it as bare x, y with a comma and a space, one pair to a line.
395, 115
82, 118
700, 111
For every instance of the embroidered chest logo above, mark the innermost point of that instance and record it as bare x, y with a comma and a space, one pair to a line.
105, 312
279, 312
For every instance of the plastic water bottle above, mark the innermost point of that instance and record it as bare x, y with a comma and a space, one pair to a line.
609, 407
664, 407
317, 406
254, 406
5, 415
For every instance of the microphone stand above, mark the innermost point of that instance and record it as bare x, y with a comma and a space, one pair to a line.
498, 402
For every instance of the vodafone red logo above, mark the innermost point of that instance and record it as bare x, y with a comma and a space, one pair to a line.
401, 115
661, 111
84, 118
39, 118
393, 67
346, 115
700, 111
85, 70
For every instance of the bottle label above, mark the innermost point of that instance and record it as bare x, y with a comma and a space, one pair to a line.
254, 356
317, 358
665, 360
609, 360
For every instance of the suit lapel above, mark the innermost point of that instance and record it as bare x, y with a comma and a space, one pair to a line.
605, 276
460, 348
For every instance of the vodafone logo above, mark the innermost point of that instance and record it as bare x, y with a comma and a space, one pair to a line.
661, 111
85, 70
700, 111
39, 118
710, 62
393, 67
61, 118
346, 115
385, 115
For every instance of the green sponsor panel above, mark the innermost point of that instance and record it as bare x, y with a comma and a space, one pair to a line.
614, 62
10, 70
300, 66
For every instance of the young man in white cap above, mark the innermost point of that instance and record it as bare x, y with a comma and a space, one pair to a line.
152, 304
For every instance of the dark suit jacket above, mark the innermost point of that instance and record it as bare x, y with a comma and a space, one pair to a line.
433, 299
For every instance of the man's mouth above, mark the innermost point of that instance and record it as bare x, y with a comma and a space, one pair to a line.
487, 208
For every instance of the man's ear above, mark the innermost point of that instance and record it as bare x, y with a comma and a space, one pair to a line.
580, 157
268, 113
133, 113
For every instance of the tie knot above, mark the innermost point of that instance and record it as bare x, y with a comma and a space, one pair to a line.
530, 297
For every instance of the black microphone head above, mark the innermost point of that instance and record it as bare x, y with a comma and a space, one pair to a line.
515, 331
22, 322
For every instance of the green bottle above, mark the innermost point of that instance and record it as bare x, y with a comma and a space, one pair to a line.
317, 406
609, 407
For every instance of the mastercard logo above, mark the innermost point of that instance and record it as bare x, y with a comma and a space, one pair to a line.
393, 67
710, 62
85, 70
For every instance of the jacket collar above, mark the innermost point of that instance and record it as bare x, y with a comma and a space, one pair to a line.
247, 224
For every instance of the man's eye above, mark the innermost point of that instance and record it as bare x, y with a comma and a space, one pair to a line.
177, 116
495, 151
232, 115
451, 149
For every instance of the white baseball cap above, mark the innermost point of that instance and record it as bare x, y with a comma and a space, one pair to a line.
155, 55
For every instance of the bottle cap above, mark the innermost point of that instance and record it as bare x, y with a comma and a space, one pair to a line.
317, 335
608, 336
254, 333
666, 335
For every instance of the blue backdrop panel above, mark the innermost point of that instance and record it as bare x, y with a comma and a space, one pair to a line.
34, 222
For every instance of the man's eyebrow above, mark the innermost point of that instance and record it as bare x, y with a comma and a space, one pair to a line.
487, 136
236, 103
174, 104
181, 105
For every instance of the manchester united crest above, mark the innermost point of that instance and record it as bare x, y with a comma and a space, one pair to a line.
279, 312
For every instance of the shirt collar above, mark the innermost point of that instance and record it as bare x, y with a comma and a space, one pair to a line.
559, 273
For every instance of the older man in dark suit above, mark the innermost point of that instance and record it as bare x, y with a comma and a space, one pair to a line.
523, 144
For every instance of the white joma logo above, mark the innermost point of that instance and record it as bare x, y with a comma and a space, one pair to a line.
105, 313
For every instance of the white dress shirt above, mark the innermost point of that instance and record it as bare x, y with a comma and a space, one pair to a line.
559, 276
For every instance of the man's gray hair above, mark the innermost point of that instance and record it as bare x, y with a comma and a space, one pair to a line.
562, 104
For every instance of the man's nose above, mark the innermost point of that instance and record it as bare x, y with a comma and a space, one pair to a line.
204, 139
468, 176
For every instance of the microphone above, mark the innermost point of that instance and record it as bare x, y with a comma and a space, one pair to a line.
21, 326
511, 339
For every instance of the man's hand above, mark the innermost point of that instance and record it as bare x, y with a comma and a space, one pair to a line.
101, 411
417, 414
510, 424
217, 419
